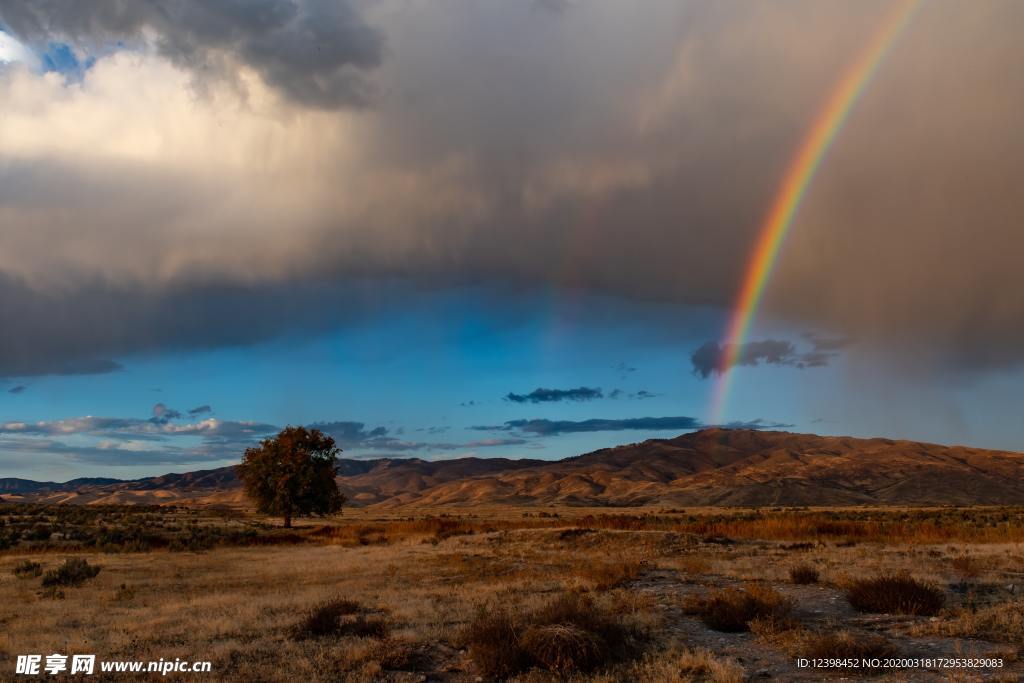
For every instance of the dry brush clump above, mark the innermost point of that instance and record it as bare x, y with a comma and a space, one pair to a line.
895, 594
702, 664
803, 574
794, 639
570, 634
844, 645
731, 610
27, 569
340, 617
1002, 622
675, 665
74, 572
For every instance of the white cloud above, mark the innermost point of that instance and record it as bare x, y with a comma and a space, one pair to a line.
12, 51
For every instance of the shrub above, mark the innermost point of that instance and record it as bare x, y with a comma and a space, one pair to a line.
365, 626
27, 569
563, 648
74, 572
340, 617
40, 532
493, 641
805, 545
702, 664
325, 619
1002, 622
846, 645
803, 574
52, 593
731, 610
568, 635
895, 594
581, 610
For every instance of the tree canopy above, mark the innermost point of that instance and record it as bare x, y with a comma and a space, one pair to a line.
292, 474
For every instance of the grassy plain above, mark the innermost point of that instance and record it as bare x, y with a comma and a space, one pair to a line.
524, 594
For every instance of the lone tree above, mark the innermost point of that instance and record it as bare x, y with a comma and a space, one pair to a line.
292, 474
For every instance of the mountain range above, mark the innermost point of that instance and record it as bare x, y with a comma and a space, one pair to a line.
711, 467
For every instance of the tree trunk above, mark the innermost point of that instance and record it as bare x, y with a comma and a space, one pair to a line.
287, 520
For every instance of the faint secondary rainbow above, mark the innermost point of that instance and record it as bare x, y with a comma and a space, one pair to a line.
795, 184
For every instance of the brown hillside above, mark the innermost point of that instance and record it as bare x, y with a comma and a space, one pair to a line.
710, 467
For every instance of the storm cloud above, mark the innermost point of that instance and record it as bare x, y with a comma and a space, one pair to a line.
313, 51
208, 156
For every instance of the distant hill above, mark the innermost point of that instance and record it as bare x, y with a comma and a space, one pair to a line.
712, 467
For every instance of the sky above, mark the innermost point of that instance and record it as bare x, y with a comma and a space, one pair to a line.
450, 228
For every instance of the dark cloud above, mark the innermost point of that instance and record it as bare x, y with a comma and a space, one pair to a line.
200, 410
314, 52
162, 414
617, 139
17, 390
63, 331
352, 434
636, 395
556, 427
542, 395
709, 358
541, 427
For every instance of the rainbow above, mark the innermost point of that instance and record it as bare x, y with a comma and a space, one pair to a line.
798, 178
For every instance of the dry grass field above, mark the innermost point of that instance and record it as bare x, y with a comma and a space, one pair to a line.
520, 594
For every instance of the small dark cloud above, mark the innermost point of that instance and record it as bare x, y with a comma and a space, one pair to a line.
467, 404
634, 395
556, 427
350, 434
542, 395
200, 410
162, 414
709, 358
20, 389
427, 430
